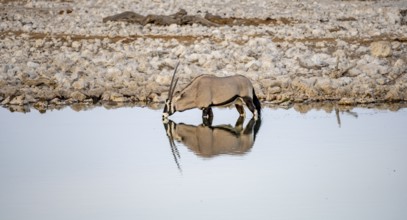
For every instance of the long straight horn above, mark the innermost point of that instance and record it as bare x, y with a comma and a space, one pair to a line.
171, 90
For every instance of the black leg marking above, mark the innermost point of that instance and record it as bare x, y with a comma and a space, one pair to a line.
239, 122
207, 112
249, 126
250, 104
210, 112
207, 116
240, 109
207, 121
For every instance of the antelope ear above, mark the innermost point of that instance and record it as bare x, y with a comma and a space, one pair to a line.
178, 95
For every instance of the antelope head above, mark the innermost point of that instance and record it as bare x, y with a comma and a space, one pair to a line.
169, 108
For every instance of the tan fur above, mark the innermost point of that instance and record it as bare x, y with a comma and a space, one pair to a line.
208, 90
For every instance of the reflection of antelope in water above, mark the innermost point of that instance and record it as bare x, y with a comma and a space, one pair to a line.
210, 141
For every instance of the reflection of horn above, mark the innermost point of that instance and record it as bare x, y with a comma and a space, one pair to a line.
174, 149
172, 86
175, 152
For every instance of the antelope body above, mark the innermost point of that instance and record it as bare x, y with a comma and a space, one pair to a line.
206, 91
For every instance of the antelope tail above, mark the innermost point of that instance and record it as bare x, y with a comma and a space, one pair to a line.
256, 103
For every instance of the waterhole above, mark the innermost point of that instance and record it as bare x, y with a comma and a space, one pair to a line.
126, 164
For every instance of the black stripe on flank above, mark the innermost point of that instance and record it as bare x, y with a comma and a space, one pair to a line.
226, 102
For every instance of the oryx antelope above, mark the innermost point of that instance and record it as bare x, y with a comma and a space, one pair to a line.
206, 91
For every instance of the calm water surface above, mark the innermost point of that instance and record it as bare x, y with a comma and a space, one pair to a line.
119, 164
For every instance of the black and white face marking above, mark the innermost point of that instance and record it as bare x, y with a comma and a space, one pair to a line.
168, 109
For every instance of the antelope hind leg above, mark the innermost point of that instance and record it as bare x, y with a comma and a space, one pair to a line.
239, 104
250, 105
240, 109
239, 123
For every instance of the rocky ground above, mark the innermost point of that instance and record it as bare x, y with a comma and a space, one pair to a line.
64, 52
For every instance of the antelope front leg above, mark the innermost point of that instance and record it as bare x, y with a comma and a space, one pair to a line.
207, 116
207, 112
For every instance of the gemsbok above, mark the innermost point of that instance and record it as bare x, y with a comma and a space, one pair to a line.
207, 91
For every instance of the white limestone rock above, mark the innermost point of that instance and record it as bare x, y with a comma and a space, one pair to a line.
381, 49
32, 64
18, 100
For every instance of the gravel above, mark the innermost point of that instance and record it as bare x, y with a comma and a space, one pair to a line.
61, 52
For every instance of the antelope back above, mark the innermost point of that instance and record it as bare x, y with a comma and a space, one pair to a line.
207, 90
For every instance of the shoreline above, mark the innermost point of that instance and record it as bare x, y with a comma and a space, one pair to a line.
58, 53
304, 107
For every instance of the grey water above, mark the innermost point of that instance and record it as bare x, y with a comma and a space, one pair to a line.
124, 164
